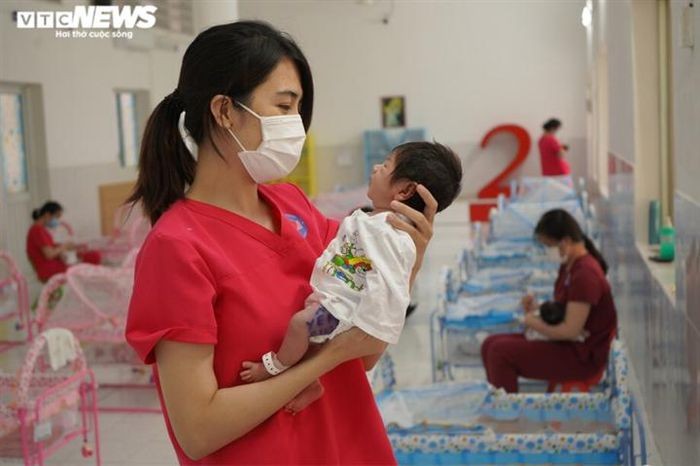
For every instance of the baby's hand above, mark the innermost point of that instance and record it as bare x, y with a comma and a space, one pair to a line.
253, 372
529, 303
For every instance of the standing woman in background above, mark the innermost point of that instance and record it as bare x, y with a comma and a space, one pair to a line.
583, 290
552, 152
45, 255
228, 262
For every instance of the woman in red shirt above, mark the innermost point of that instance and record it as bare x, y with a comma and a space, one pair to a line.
590, 310
552, 152
229, 258
45, 255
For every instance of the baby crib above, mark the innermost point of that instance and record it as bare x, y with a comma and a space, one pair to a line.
129, 232
545, 189
505, 279
93, 304
463, 320
518, 270
518, 220
473, 423
505, 253
14, 304
50, 402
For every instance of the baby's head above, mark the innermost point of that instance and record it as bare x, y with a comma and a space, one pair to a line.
428, 163
552, 312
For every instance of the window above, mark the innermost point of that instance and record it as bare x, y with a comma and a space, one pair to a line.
12, 148
128, 127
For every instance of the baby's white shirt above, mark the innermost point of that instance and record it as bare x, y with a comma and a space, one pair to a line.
363, 276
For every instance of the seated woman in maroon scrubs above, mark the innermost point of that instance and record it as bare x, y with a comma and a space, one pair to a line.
590, 310
44, 253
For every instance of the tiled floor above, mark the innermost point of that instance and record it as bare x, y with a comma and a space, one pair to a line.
141, 439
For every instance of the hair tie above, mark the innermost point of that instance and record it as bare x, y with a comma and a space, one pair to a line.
187, 138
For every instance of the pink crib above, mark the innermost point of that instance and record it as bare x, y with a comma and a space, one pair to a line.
92, 302
130, 230
44, 408
14, 302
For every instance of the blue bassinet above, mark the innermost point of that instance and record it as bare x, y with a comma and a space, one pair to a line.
545, 189
473, 423
506, 253
463, 320
518, 220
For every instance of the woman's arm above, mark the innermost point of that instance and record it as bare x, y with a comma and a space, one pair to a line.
52, 252
570, 329
372, 360
205, 417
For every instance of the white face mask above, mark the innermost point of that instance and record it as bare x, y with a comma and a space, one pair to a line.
279, 152
554, 256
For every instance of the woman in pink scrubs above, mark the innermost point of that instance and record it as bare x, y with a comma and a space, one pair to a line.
229, 258
552, 152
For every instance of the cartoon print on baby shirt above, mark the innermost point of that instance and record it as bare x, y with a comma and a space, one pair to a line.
351, 265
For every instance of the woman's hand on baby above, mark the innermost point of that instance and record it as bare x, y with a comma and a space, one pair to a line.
422, 229
354, 344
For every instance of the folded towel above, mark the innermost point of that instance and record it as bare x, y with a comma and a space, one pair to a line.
61, 347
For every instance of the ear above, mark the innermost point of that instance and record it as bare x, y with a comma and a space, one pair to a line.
406, 190
223, 111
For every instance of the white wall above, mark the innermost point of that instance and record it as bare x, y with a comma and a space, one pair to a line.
464, 67
78, 78
618, 39
686, 106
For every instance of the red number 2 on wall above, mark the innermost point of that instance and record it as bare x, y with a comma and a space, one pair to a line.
480, 212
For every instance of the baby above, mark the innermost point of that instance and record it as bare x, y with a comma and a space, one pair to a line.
551, 313
362, 278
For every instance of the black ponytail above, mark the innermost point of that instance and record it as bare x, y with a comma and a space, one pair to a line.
49, 207
166, 167
230, 59
593, 251
558, 224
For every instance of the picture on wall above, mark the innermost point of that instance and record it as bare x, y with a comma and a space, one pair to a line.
393, 112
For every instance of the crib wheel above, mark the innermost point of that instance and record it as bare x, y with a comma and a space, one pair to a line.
86, 450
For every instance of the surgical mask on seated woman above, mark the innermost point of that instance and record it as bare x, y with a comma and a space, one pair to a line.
554, 255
